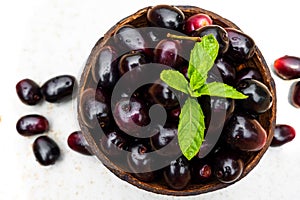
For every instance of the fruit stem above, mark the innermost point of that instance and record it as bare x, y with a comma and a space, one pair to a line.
181, 37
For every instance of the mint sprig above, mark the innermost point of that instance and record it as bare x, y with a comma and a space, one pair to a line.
191, 125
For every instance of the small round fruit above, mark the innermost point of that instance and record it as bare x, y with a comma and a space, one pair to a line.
287, 67
29, 92
201, 171
45, 150
283, 134
259, 97
178, 175
114, 143
166, 53
77, 142
140, 163
32, 124
197, 21
228, 167
218, 32
105, 70
93, 109
130, 61
58, 88
166, 16
241, 46
294, 94
245, 133
130, 115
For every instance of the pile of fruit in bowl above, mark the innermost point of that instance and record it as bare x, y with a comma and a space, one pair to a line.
177, 100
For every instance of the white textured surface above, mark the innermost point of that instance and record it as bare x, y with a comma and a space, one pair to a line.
40, 39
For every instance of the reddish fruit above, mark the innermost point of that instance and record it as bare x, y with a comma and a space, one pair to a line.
197, 21
287, 67
283, 133
29, 125
77, 142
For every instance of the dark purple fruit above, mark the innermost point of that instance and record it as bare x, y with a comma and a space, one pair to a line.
93, 109
259, 97
45, 150
130, 61
241, 46
58, 88
77, 142
114, 143
166, 52
245, 133
163, 95
166, 16
29, 92
130, 115
223, 72
178, 175
283, 134
140, 163
33, 124
165, 142
129, 38
287, 67
228, 167
105, 70
248, 73
218, 32
294, 96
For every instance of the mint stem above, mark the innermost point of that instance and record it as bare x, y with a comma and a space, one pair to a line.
181, 37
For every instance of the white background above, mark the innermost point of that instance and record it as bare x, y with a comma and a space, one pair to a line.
43, 38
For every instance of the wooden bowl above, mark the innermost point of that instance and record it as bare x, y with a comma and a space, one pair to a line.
266, 119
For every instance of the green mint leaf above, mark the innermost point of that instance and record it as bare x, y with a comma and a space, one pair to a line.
197, 81
175, 79
203, 55
220, 90
191, 128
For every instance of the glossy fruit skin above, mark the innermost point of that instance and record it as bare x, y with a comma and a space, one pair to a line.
241, 46
259, 97
130, 115
287, 67
32, 124
228, 167
178, 174
248, 73
130, 39
283, 134
58, 88
105, 70
77, 142
294, 95
166, 16
45, 150
166, 137
113, 143
130, 61
29, 92
94, 111
163, 95
225, 70
166, 52
218, 32
245, 133
140, 163
197, 21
